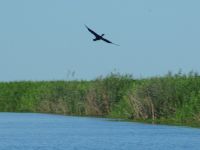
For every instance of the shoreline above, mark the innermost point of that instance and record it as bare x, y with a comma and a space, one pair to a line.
148, 121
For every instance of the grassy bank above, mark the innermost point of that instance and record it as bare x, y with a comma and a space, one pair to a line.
171, 99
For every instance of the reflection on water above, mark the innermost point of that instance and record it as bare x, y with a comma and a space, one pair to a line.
28, 131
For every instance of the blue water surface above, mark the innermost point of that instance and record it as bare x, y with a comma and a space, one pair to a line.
28, 131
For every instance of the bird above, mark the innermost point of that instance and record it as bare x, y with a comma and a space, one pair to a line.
99, 37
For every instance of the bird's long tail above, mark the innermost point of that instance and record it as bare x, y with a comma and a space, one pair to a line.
116, 44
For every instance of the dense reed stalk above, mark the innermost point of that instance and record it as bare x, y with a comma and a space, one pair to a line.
171, 98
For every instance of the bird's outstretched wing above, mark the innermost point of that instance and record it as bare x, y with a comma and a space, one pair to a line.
91, 31
105, 40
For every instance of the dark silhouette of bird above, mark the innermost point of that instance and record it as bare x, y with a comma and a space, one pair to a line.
99, 37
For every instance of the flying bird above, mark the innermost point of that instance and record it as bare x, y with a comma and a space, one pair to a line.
99, 37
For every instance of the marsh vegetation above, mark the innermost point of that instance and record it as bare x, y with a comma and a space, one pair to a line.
173, 98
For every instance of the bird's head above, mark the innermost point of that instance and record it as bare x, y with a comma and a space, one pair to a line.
102, 35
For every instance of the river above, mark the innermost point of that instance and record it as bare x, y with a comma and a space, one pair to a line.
29, 131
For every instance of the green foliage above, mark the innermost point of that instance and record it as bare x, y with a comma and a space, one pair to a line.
174, 97
190, 112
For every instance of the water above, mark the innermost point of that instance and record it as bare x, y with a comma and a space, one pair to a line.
53, 132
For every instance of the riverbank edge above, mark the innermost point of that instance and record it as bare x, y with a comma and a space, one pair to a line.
169, 122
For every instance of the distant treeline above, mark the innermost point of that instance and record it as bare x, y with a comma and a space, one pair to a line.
173, 98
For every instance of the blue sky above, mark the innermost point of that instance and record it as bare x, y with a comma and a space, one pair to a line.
47, 40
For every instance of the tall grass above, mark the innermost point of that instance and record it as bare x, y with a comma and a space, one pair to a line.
170, 98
